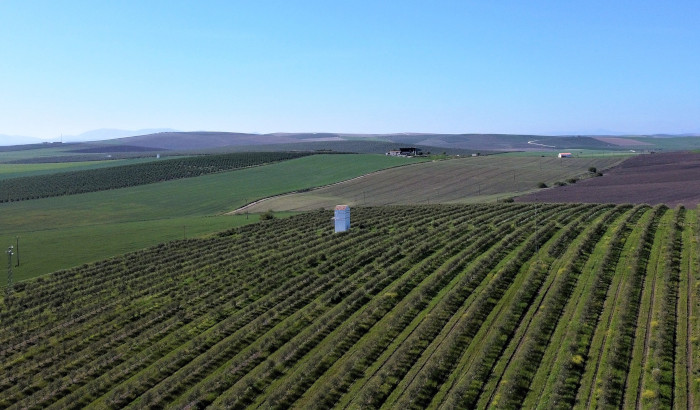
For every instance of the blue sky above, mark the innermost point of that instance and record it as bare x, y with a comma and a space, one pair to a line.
538, 67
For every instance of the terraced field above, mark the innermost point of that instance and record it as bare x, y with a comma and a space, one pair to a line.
487, 306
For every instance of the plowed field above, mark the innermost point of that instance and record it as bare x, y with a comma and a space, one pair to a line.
671, 179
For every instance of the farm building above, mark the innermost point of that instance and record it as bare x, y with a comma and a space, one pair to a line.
342, 218
564, 155
403, 152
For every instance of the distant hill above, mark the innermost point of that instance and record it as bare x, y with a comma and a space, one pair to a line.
9, 140
209, 141
181, 141
111, 133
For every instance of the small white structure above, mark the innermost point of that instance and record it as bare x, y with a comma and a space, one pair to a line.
564, 155
342, 218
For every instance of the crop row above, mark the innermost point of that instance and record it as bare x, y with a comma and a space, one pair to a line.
467, 306
123, 176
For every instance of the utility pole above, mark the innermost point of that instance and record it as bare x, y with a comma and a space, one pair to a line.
8, 289
537, 233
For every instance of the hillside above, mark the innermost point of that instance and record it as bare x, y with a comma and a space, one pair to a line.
489, 142
188, 143
135, 174
495, 306
464, 180
60, 232
670, 178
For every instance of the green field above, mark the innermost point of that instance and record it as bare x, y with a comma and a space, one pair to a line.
464, 180
99, 222
25, 170
435, 306
125, 176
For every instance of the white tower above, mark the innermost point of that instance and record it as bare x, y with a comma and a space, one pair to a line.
342, 218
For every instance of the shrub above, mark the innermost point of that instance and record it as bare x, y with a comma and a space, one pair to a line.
267, 215
593, 170
560, 183
571, 180
541, 185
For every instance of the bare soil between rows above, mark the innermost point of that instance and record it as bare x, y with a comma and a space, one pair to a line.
672, 179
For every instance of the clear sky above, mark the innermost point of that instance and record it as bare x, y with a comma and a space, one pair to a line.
542, 67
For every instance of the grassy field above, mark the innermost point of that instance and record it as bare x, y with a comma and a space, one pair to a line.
51, 151
24, 170
464, 306
464, 180
60, 232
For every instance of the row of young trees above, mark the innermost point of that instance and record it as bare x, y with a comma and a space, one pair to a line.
460, 306
123, 176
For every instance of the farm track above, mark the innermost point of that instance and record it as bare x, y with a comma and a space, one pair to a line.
448, 306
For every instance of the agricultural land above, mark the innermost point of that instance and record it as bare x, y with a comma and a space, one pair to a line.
669, 178
486, 306
63, 231
201, 270
463, 180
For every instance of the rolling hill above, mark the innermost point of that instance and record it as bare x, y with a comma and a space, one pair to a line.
463, 180
60, 232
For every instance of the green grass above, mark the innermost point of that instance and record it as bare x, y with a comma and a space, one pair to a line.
34, 153
671, 144
608, 325
53, 249
683, 377
637, 382
24, 170
557, 354
65, 231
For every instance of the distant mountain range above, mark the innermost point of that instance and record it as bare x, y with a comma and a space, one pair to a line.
169, 139
111, 133
94, 135
18, 140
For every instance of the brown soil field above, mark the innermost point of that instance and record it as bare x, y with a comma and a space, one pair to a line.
464, 180
672, 179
